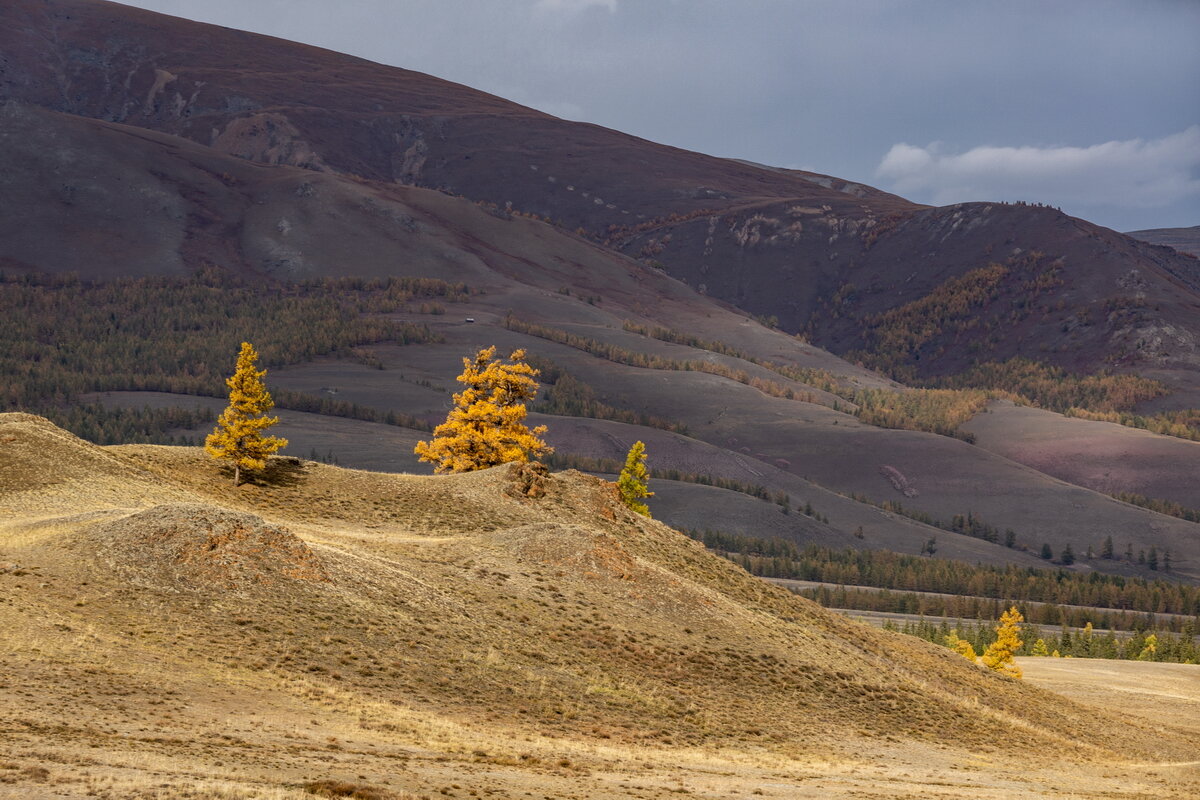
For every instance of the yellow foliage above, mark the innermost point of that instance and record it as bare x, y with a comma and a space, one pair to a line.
999, 655
487, 427
935, 410
1039, 648
238, 436
1151, 647
960, 646
634, 480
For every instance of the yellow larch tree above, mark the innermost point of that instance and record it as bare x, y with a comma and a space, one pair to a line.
1151, 647
999, 655
634, 481
961, 646
487, 427
238, 437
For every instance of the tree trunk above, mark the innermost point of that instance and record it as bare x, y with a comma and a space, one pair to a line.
237, 474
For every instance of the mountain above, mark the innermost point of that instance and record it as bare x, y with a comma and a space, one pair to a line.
820, 254
502, 630
1185, 240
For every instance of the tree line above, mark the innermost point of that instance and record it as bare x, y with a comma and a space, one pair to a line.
1141, 645
902, 572
61, 337
971, 607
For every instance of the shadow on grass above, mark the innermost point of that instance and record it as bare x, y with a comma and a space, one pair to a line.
281, 471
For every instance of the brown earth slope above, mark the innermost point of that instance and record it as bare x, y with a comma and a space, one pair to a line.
168, 631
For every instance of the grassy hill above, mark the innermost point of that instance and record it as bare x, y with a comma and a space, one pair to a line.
507, 629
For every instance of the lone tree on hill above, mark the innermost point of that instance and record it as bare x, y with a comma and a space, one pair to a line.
238, 436
487, 427
634, 480
999, 655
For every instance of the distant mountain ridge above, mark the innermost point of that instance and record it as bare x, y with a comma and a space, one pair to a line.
817, 253
1185, 240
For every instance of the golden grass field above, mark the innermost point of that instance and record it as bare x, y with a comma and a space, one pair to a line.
333, 632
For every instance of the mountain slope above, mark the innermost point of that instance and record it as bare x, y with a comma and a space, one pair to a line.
818, 253
440, 613
1185, 240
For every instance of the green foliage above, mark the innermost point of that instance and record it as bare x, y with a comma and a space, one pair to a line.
939, 411
568, 396
934, 411
817, 378
1141, 644
1056, 588
1055, 389
970, 524
633, 482
621, 355
610, 466
978, 306
975, 310
61, 337
103, 425
1161, 506
951, 309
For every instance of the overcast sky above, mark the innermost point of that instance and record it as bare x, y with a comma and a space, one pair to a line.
1090, 105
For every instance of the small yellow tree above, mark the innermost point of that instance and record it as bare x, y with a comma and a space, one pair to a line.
487, 427
1151, 647
1039, 648
960, 646
999, 655
238, 436
633, 484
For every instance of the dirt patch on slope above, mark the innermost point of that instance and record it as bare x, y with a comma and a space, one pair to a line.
194, 547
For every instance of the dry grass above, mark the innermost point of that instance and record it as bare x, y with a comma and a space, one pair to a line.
448, 636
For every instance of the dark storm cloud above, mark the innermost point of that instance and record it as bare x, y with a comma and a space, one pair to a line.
1086, 104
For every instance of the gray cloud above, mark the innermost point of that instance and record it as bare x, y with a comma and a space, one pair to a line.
1131, 174
574, 5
